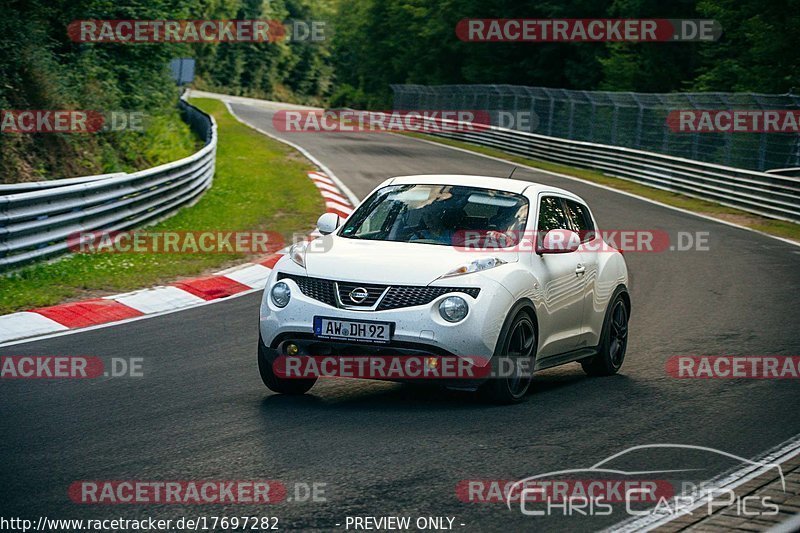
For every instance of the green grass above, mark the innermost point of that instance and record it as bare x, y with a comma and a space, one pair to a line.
778, 228
167, 138
260, 184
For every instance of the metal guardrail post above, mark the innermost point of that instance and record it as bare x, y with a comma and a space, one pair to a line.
552, 108
639, 119
796, 101
762, 144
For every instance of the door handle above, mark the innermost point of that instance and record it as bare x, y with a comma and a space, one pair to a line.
580, 269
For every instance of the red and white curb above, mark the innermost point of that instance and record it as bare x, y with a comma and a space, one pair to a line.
181, 294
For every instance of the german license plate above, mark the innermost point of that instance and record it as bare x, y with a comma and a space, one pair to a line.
352, 330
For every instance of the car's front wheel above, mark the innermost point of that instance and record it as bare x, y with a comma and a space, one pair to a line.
512, 365
613, 341
273, 382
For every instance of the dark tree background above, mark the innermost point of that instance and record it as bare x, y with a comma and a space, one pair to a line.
370, 44
380, 42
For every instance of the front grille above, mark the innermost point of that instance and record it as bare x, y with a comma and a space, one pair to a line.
317, 288
398, 296
373, 293
408, 296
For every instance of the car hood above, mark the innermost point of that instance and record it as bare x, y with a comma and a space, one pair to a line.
383, 262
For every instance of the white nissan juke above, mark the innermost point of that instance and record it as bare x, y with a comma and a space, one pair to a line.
452, 266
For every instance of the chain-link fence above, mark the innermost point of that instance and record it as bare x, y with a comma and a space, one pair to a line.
633, 120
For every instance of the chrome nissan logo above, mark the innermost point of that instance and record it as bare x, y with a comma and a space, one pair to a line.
358, 295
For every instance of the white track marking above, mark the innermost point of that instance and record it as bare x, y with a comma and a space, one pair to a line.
320, 177
157, 299
734, 481
254, 275
335, 197
344, 188
9, 322
25, 327
764, 462
325, 187
790, 526
267, 104
126, 321
339, 207
277, 105
26, 323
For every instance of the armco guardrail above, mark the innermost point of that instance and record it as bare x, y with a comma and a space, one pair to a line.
785, 171
36, 219
770, 195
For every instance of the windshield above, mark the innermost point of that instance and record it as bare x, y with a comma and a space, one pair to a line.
435, 214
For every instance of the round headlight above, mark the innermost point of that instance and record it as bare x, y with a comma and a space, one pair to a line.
280, 293
453, 308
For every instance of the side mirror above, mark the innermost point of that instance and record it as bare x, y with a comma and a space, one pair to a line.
558, 241
328, 223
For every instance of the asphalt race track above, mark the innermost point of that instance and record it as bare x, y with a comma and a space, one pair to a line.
201, 412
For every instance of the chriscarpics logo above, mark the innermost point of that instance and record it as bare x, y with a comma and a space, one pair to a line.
640, 481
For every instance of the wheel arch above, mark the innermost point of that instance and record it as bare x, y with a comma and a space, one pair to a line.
524, 305
622, 290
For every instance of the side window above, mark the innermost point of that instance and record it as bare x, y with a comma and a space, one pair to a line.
551, 215
581, 220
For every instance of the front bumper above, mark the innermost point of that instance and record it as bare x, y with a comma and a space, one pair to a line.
419, 327
310, 346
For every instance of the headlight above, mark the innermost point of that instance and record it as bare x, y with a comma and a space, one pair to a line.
280, 294
453, 308
298, 253
476, 266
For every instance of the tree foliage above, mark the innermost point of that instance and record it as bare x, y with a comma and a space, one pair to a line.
369, 45
381, 42
42, 69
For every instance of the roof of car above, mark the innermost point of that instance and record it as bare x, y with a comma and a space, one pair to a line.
486, 182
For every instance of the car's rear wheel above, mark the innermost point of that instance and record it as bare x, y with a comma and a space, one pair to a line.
273, 382
613, 343
512, 365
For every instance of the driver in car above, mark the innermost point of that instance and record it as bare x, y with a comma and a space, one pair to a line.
437, 226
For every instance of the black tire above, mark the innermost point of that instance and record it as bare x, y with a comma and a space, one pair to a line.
613, 341
518, 345
273, 382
